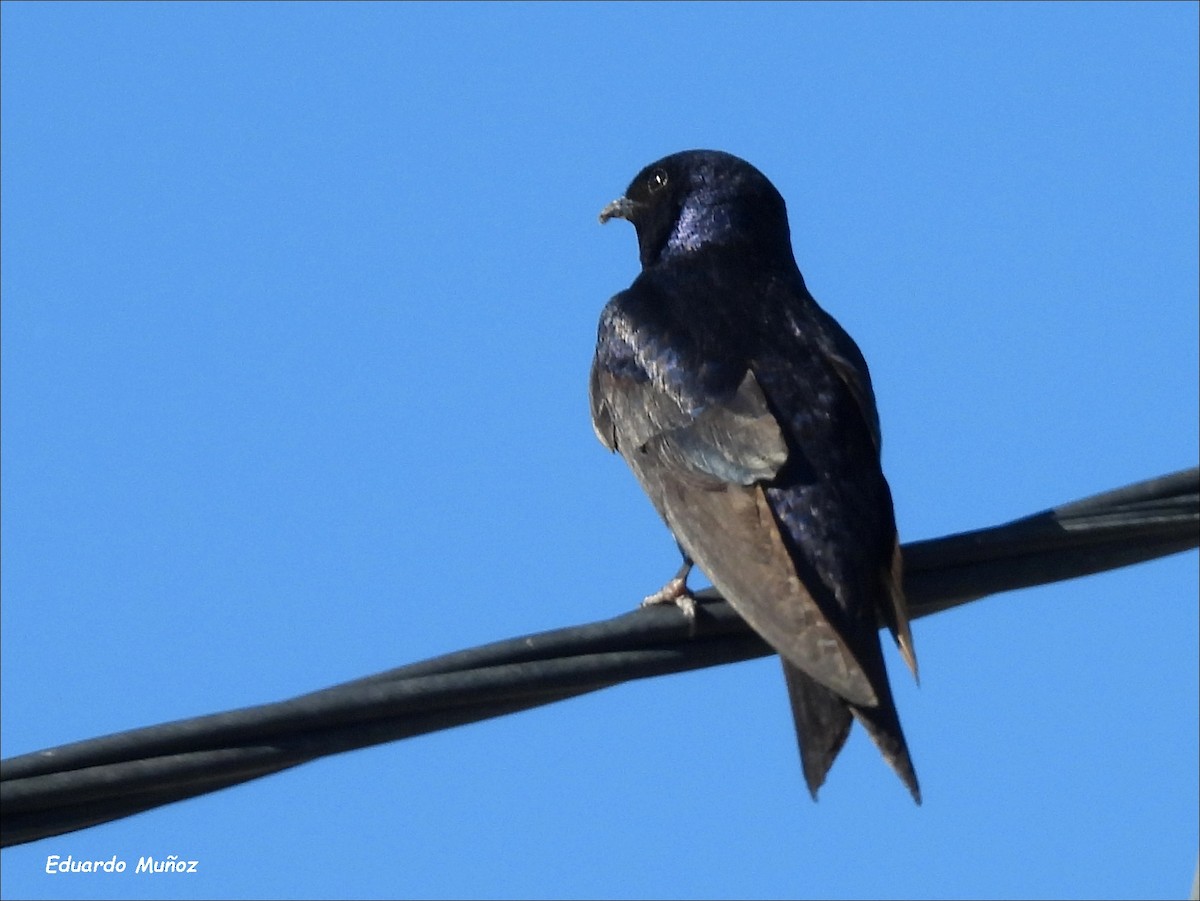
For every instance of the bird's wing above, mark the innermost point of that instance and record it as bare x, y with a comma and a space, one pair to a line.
701, 457
895, 609
846, 360
844, 356
621, 388
643, 385
731, 531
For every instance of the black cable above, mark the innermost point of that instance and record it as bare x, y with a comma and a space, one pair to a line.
90, 782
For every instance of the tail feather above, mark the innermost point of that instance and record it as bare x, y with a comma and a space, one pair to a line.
883, 726
823, 721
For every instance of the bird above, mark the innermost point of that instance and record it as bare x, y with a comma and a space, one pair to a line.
747, 415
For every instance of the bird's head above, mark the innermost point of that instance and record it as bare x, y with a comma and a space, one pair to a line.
703, 198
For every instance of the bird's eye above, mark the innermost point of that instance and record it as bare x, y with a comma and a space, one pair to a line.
658, 181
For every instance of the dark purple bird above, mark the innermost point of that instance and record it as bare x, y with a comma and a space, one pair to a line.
748, 417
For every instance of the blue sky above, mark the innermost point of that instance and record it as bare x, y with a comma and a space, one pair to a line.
298, 308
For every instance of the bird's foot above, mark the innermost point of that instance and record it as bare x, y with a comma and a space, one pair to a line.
675, 592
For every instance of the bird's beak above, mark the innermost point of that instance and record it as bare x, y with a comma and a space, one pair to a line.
621, 208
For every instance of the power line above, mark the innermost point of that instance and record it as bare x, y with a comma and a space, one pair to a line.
74, 786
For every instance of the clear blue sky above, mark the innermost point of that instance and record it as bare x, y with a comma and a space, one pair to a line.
298, 308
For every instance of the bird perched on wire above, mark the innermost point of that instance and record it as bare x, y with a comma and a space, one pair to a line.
747, 414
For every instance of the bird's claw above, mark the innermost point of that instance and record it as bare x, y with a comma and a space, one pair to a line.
674, 592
